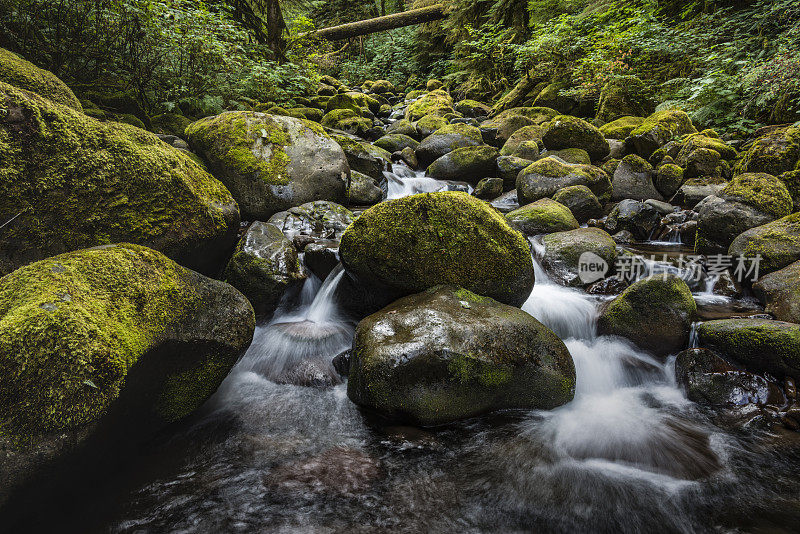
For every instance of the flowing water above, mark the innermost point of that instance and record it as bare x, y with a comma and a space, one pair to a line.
628, 454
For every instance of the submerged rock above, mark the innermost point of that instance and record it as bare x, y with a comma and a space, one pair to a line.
761, 345
270, 162
69, 182
410, 244
100, 349
448, 354
264, 266
655, 313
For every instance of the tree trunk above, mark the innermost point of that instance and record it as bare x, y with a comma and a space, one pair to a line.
379, 24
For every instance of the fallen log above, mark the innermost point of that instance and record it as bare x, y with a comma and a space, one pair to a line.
379, 24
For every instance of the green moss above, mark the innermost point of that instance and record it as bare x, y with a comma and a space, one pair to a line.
470, 370
566, 131
72, 326
791, 180
623, 96
418, 242
777, 243
666, 125
185, 392
621, 128
430, 123
170, 124
78, 182
236, 137
761, 191
774, 153
20, 73
543, 217
433, 103
702, 141
528, 133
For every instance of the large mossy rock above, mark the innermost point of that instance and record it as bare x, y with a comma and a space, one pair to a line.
264, 266
364, 157
774, 153
427, 125
395, 142
101, 348
780, 293
500, 129
526, 134
270, 162
437, 102
633, 179
448, 354
410, 244
544, 216
655, 313
364, 190
657, 130
778, 243
445, 140
349, 121
563, 250
580, 200
73, 182
543, 178
761, 345
747, 201
571, 132
467, 164
621, 128
623, 96
25, 75
170, 124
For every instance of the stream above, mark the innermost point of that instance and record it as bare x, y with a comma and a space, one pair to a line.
629, 454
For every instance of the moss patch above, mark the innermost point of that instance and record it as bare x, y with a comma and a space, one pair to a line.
761, 191
25, 75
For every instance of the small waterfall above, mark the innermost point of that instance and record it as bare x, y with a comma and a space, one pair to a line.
403, 182
306, 338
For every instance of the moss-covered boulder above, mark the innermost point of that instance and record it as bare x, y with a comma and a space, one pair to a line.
448, 354
406, 127
777, 243
170, 124
543, 178
433, 84
446, 139
396, 142
544, 216
364, 190
364, 157
669, 178
552, 96
657, 130
488, 188
269, 162
747, 201
761, 345
577, 156
527, 134
621, 128
101, 348
774, 153
779, 291
342, 101
467, 164
499, 129
427, 125
633, 178
655, 313
580, 200
437, 102
707, 140
69, 182
348, 121
382, 86
117, 102
563, 250
791, 179
623, 96
634, 216
410, 244
472, 108
508, 168
571, 132
25, 75
264, 266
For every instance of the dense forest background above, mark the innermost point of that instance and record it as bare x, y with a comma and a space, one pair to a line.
733, 64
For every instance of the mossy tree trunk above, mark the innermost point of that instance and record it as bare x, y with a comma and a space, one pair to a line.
379, 24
